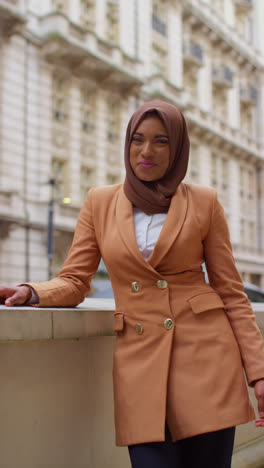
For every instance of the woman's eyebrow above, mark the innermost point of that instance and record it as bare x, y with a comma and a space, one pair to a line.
159, 135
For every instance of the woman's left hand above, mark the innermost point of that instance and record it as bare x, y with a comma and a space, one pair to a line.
259, 392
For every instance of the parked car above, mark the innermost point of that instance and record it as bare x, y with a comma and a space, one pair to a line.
254, 293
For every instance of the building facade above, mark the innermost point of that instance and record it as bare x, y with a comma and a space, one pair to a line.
71, 74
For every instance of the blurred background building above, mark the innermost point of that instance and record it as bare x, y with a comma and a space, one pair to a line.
71, 74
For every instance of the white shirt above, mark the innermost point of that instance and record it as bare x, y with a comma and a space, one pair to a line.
147, 230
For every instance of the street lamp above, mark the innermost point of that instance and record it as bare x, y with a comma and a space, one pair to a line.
55, 196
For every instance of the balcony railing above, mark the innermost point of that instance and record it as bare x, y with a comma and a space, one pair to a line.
192, 52
244, 3
159, 25
222, 75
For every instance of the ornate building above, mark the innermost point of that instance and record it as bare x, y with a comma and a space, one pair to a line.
71, 74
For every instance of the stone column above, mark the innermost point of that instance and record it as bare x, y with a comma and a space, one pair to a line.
205, 164
127, 26
205, 83
233, 104
74, 143
74, 11
144, 36
229, 12
100, 18
101, 125
234, 202
175, 69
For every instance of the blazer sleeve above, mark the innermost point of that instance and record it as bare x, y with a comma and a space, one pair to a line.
73, 282
225, 279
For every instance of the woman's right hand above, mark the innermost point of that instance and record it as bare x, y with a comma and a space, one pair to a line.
15, 296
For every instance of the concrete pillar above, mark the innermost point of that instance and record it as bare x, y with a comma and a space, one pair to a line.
74, 11
234, 202
127, 27
100, 19
233, 104
12, 116
205, 164
40, 8
74, 143
260, 109
258, 21
260, 207
145, 36
175, 69
229, 12
205, 84
100, 137
127, 109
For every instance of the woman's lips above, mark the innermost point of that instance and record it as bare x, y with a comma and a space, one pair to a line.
146, 164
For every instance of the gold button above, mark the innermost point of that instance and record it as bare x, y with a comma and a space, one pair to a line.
139, 328
168, 324
135, 286
162, 284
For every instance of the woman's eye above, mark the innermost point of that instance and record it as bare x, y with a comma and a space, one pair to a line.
162, 141
136, 139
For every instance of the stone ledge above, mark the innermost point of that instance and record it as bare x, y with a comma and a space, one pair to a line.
250, 455
93, 317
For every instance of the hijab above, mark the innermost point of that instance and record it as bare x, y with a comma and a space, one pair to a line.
155, 197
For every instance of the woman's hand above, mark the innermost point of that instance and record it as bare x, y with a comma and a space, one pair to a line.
14, 296
259, 392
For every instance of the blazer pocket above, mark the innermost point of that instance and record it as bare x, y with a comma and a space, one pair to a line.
119, 322
206, 301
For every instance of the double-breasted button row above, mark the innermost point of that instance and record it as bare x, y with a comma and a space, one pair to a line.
139, 328
168, 325
161, 284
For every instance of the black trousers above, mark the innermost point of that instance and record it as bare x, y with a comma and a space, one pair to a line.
210, 450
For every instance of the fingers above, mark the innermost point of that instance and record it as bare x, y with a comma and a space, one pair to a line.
14, 296
261, 406
259, 422
259, 392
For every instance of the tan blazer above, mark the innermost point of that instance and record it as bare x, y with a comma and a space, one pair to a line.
181, 344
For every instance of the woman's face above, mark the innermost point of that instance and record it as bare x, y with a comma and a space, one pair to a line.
149, 150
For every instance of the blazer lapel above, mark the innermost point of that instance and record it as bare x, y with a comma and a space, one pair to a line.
172, 225
126, 228
170, 230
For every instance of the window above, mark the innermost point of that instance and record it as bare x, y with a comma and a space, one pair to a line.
246, 118
59, 172
112, 21
194, 164
59, 99
87, 16
248, 206
160, 17
220, 178
113, 121
60, 5
214, 170
88, 111
220, 102
112, 179
87, 181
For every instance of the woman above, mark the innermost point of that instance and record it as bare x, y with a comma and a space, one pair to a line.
181, 345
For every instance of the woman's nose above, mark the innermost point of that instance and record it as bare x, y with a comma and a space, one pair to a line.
147, 150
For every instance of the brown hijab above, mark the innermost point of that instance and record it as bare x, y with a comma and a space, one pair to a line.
155, 197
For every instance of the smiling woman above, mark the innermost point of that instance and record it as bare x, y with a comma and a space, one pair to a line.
149, 149
183, 347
